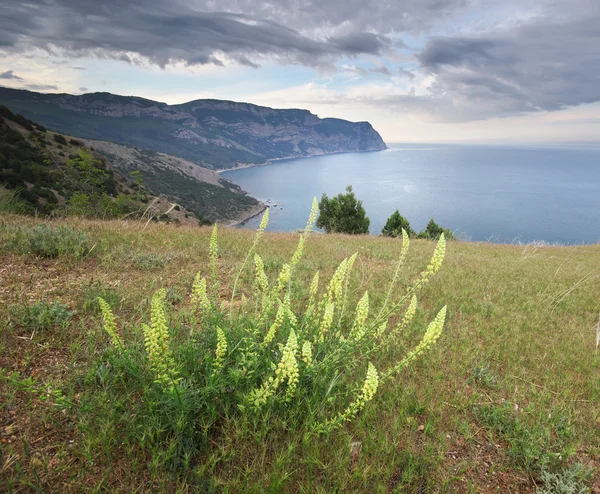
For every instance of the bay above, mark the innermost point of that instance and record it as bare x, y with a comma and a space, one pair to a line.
483, 193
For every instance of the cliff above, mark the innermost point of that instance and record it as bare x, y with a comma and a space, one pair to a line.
212, 133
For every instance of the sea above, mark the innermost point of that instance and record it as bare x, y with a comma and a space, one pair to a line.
500, 194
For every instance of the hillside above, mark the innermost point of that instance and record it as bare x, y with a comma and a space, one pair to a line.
212, 133
506, 400
47, 168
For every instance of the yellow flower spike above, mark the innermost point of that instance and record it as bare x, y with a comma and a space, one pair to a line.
157, 341
314, 211
110, 325
399, 264
261, 278
200, 299
307, 353
362, 312
381, 329
436, 259
326, 321
279, 320
366, 394
284, 277
221, 350
433, 332
312, 294
214, 270
334, 290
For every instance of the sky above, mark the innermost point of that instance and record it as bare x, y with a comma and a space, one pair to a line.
480, 71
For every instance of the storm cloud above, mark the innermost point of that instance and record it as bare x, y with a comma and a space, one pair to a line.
544, 65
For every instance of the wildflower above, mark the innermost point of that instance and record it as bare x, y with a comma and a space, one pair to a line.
262, 282
307, 352
221, 350
214, 255
326, 321
433, 332
408, 315
312, 294
286, 370
314, 210
334, 290
366, 394
346, 282
279, 320
436, 260
199, 296
381, 329
403, 253
362, 312
284, 277
110, 325
157, 341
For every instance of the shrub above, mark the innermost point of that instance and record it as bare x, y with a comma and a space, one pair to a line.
60, 139
42, 316
46, 241
433, 231
264, 361
395, 224
343, 214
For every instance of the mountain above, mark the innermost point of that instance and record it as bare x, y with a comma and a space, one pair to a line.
212, 133
58, 174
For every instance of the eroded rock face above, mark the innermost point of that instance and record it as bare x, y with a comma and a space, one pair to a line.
213, 133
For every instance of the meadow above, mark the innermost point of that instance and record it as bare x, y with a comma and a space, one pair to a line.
506, 399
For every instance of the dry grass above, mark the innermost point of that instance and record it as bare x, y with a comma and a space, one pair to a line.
511, 389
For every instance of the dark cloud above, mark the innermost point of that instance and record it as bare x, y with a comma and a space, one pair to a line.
78, 68
293, 31
10, 74
543, 65
83, 89
178, 31
42, 87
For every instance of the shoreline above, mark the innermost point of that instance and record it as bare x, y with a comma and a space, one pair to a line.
247, 215
273, 160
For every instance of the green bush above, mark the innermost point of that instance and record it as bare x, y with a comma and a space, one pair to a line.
394, 225
42, 316
343, 214
268, 363
433, 231
60, 139
45, 241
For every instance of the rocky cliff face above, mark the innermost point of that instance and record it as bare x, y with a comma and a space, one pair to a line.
212, 133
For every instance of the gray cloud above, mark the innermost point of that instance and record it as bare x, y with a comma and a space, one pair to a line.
42, 87
83, 89
10, 74
179, 31
544, 65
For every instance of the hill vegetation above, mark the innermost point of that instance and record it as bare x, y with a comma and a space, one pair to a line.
506, 401
58, 174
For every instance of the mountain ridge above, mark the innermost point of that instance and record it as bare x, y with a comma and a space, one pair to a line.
213, 133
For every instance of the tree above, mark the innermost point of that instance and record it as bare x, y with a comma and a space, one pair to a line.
343, 214
433, 231
394, 225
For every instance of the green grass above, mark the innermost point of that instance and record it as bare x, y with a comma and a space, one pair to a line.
506, 400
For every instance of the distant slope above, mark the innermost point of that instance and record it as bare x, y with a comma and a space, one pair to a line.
213, 133
200, 190
46, 170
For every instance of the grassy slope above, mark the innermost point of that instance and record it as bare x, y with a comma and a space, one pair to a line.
512, 382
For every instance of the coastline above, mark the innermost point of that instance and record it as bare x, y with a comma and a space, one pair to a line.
246, 215
273, 160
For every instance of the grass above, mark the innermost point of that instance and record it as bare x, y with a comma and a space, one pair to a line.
506, 401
